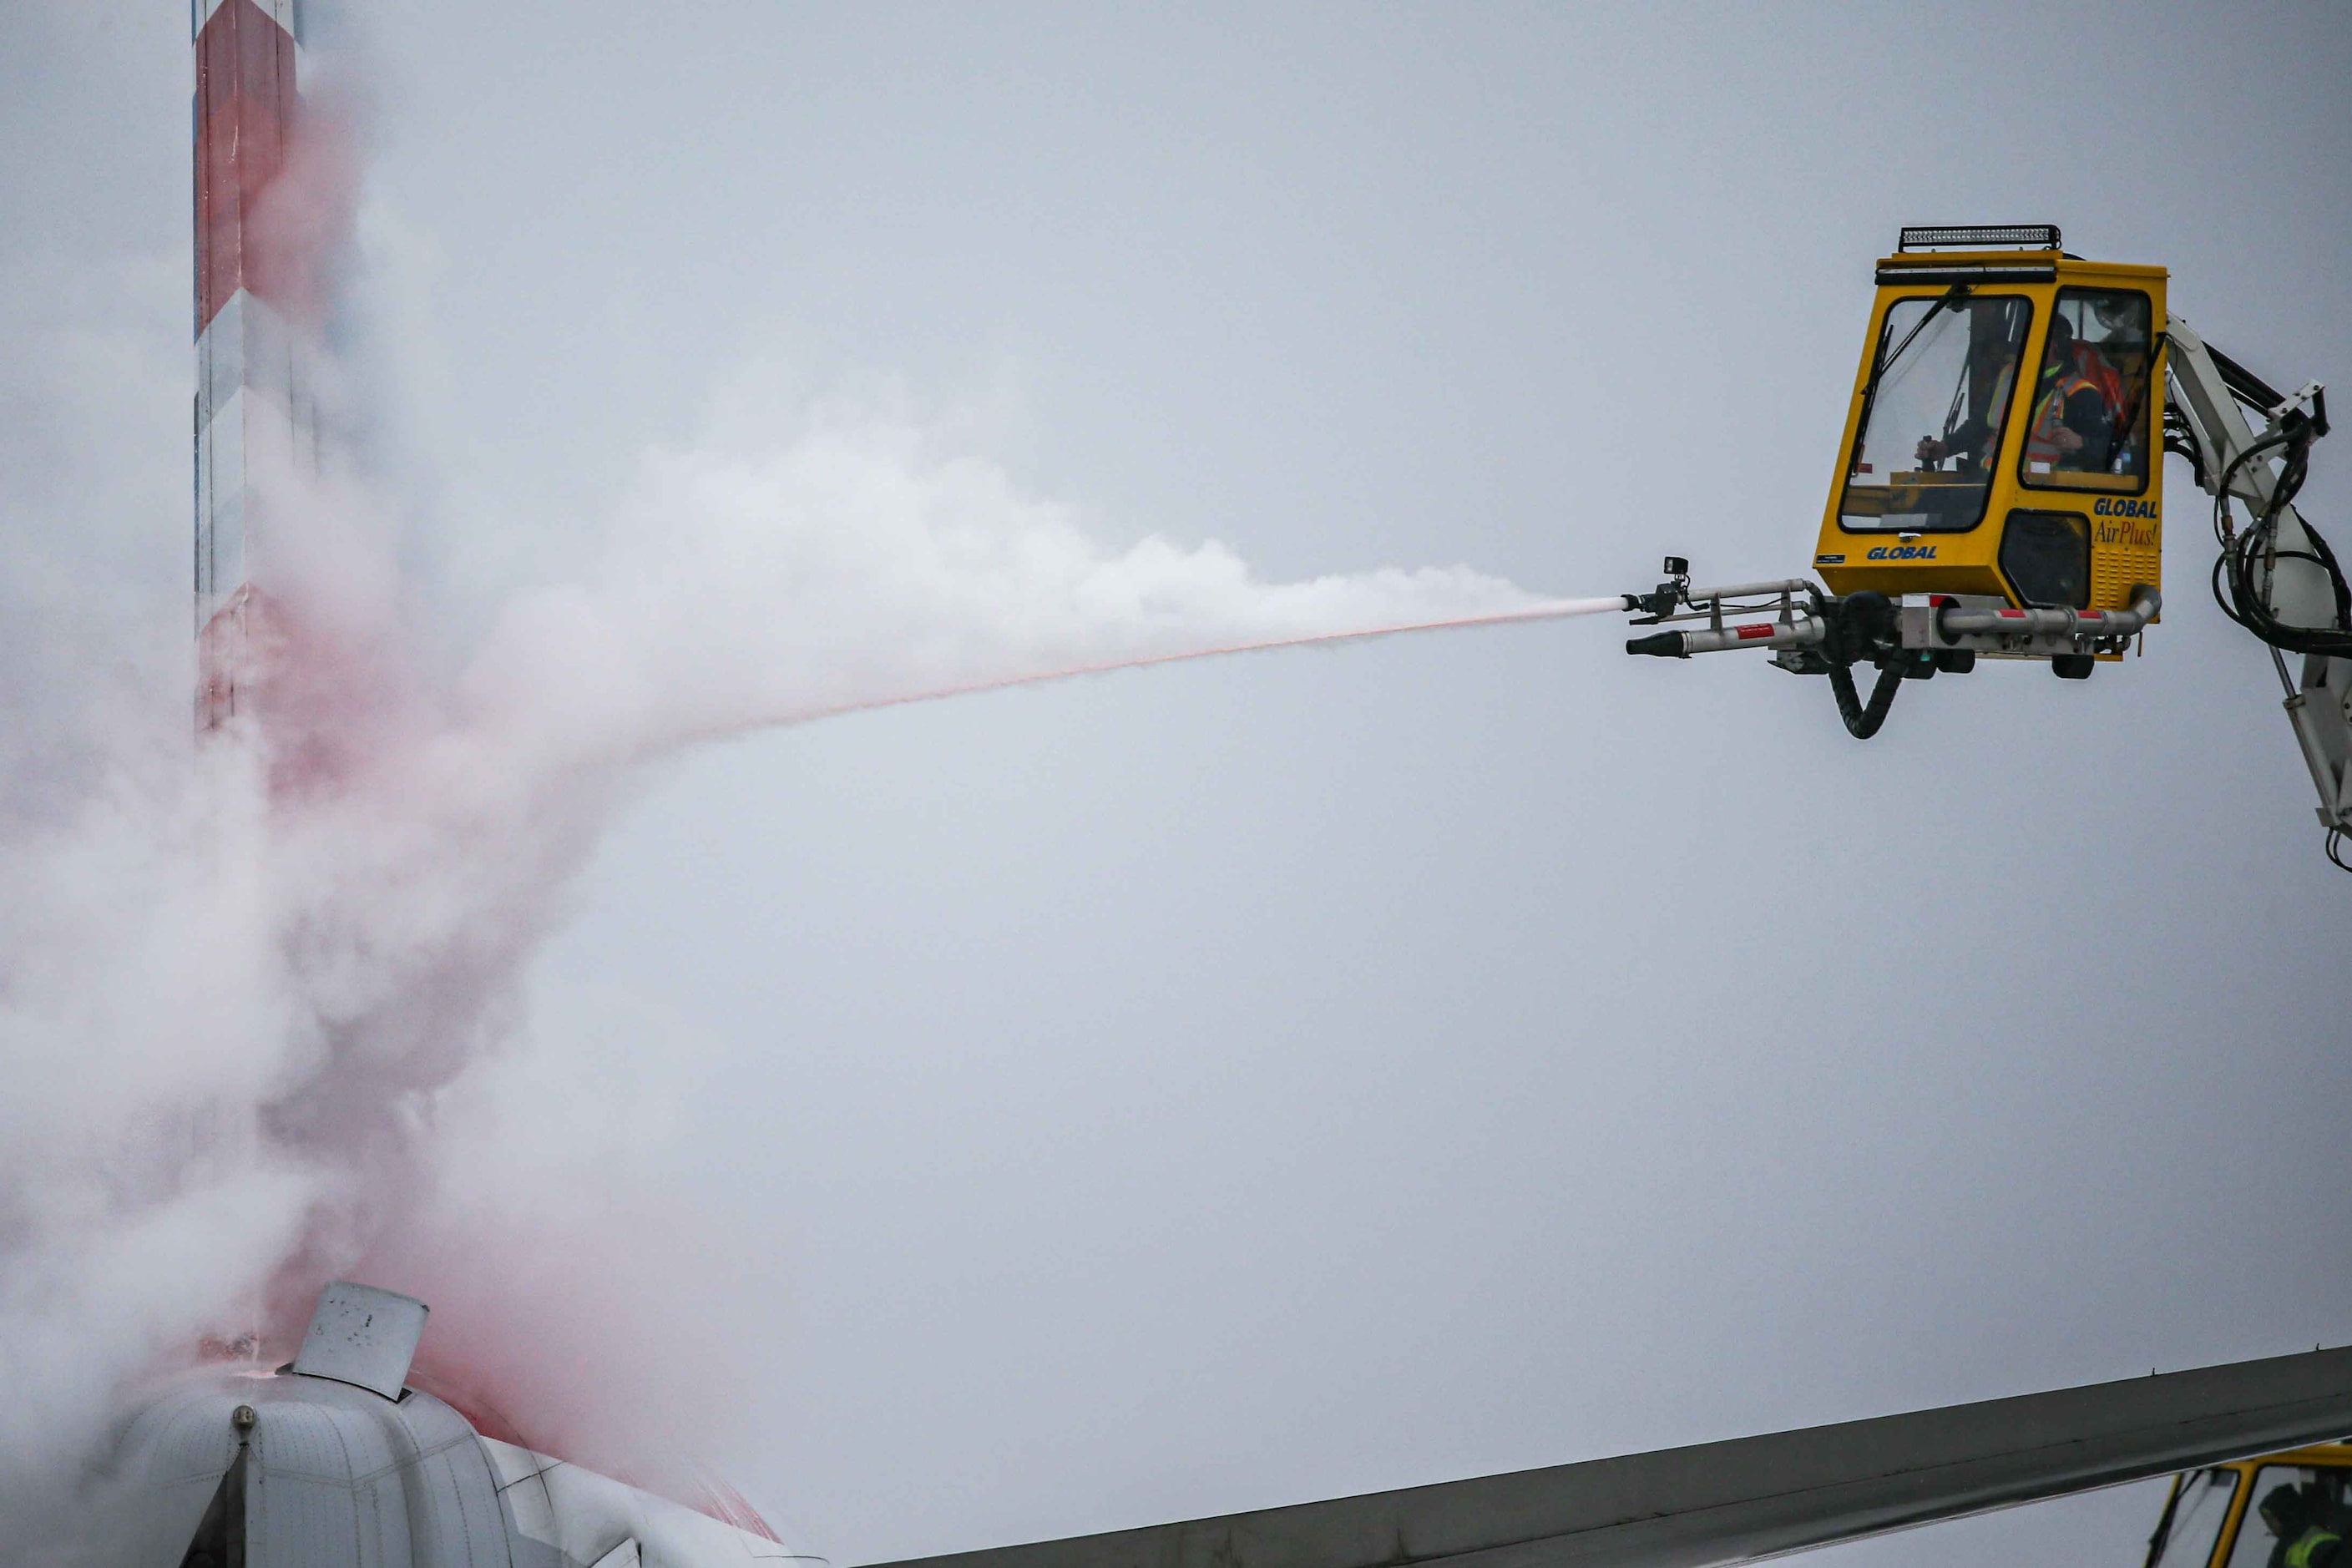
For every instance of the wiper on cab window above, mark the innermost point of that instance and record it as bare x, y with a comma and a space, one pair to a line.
1951, 297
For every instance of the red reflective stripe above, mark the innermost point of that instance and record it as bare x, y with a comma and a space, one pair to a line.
245, 104
1749, 633
2014, 615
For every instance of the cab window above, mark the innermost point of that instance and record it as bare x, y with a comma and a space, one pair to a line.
2308, 1505
1942, 383
2090, 420
2046, 556
2193, 1524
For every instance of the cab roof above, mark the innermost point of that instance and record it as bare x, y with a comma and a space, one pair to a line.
1994, 253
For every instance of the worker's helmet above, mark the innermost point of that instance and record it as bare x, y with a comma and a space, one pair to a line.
2282, 1505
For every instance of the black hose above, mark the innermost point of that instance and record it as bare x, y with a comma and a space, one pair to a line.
1861, 722
2180, 435
2241, 601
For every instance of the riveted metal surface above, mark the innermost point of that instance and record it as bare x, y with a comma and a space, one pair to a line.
337, 1477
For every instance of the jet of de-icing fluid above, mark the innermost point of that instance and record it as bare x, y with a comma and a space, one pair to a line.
262, 1019
1542, 610
271, 1012
786, 569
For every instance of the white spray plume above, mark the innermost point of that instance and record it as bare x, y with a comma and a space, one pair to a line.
859, 566
260, 999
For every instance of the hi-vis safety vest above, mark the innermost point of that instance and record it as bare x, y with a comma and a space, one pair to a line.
2050, 415
2310, 1540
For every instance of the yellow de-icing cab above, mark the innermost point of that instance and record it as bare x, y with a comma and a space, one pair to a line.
2005, 435
2216, 1517
1999, 491
2000, 495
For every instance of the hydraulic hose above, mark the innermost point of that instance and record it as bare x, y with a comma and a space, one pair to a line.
2234, 589
1862, 723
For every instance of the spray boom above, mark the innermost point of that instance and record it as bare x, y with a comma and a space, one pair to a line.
1811, 631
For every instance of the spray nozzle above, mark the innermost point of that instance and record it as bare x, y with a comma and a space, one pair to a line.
1662, 601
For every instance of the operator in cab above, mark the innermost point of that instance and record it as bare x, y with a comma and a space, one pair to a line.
2302, 1540
2077, 401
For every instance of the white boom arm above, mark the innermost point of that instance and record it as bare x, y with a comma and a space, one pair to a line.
2285, 586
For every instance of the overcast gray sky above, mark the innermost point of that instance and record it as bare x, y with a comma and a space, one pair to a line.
1236, 1083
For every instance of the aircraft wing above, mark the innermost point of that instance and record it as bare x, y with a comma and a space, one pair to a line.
1755, 1496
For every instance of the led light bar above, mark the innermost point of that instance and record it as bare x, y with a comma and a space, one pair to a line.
1986, 236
